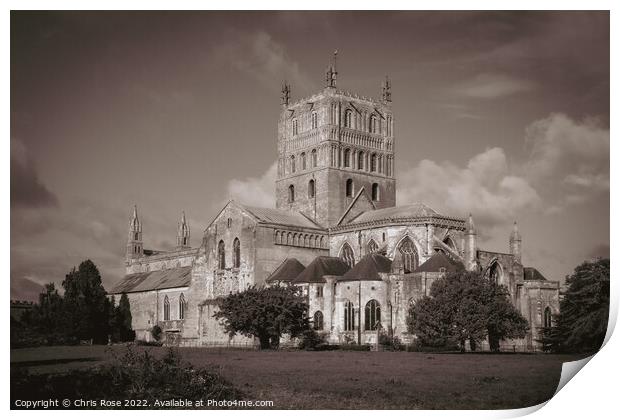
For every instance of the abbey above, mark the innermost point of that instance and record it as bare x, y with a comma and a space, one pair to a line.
335, 231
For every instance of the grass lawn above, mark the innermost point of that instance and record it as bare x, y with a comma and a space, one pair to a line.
352, 379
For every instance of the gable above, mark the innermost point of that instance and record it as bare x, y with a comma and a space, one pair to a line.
360, 204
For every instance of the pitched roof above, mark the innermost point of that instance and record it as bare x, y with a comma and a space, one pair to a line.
154, 280
438, 261
287, 271
369, 268
530, 273
281, 217
322, 266
399, 212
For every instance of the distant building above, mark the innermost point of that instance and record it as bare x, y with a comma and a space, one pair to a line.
336, 231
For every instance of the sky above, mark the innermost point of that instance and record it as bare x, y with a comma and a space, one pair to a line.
504, 115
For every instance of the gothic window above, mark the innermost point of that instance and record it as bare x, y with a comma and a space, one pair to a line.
291, 193
495, 273
314, 155
372, 246
221, 255
346, 254
182, 306
547, 318
408, 254
303, 161
236, 253
184, 241
373, 124
295, 127
349, 188
319, 291
372, 315
135, 236
348, 118
311, 191
375, 192
166, 309
380, 164
373, 163
229, 223
349, 316
347, 158
318, 320
293, 164
360, 161
314, 121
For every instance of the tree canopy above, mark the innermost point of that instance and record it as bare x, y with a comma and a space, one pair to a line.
581, 324
465, 307
264, 313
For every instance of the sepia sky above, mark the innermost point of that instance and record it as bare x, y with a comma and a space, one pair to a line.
504, 115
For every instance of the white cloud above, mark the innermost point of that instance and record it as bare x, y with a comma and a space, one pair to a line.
485, 187
493, 85
265, 59
255, 191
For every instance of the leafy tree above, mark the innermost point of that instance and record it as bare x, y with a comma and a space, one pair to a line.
86, 304
584, 311
465, 307
120, 320
264, 313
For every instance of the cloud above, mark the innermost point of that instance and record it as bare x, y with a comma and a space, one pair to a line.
26, 188
493, 85
485, 187
255, 191
265, 59
571, 157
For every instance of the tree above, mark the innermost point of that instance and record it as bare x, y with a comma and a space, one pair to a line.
584, 311
86, 304
120, 320
465, 307
264, 313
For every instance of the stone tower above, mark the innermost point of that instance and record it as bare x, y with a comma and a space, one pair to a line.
134, 237
183, 233
330, 146
515, 242
470, 244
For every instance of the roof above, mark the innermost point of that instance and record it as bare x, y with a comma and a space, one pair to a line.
287, 271
154, 280
399, 212
438, 261
530, 273
369, 268
281, 217
322, 266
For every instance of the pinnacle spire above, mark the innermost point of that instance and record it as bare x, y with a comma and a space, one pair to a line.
471, 228
331, 73
515, 235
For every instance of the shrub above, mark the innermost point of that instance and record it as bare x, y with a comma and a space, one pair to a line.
311, 339
156, 332
355, 347
391, 342
132, 375
149, 343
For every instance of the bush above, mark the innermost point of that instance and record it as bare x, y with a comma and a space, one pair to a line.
132, 375
156, 332
311, 339
149, 343
355, 347
391, 342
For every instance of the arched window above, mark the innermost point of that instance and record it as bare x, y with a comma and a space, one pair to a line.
311, 191
348, 118
372, 246
291, 193
547, 318
318, 320
236, 253
315, 158
293, 164
373, 124
295, 131
360, 161
349, 316
346, 254
380, 164
408, 254
349, 188
303, 161
313, 120
135, 236
448, 241
373, 163
372, 315
182, 306
375, 192
221, 255
495, 273
166, 309
347, 158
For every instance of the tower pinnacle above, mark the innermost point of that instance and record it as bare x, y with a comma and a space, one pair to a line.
286, 94
331, 73
386, 93
183, 232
